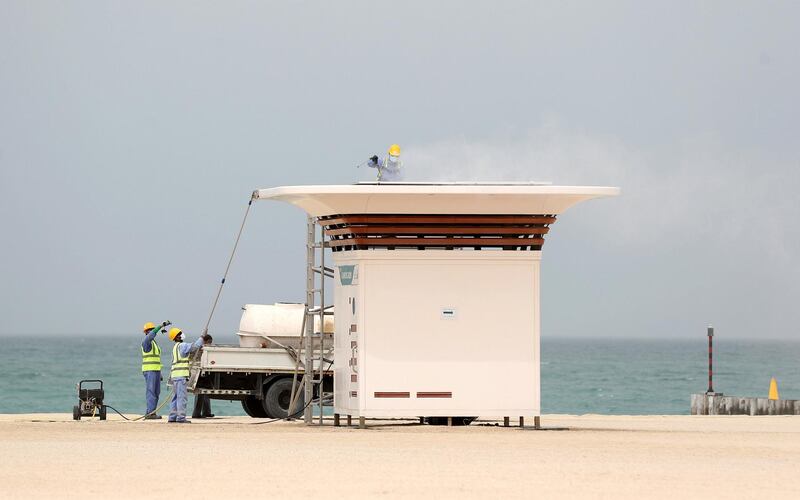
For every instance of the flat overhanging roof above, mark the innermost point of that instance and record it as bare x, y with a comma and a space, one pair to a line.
434, 198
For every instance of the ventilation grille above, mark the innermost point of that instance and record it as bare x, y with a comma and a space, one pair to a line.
432, 395
392, 395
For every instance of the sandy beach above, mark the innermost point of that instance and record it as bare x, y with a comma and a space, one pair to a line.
49, 455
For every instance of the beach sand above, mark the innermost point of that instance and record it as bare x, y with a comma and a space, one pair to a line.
49, 455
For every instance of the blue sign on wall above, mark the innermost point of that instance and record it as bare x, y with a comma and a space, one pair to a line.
348, 275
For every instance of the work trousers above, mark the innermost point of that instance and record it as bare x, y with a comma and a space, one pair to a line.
202, 406
177, 407
152, 382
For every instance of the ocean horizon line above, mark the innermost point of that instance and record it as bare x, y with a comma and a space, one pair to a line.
544, 336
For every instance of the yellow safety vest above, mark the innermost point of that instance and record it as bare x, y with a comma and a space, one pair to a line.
151, 361
180, 364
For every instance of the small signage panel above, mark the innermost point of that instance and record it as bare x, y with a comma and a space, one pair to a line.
348, 275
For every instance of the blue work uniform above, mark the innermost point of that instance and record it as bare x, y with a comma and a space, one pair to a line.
389, 168
177, 407
152, 378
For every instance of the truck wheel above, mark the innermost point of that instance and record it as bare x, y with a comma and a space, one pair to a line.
103, 412
278, 397
253, 407
76, 413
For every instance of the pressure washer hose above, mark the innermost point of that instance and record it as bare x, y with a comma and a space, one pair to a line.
173, 390
159, 407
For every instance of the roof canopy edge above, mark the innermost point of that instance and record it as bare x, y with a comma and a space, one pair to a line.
319, 201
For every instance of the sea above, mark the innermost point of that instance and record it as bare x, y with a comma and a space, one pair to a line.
579, 376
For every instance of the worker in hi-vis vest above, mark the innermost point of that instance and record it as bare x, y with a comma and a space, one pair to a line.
202, 403
389, 168
151, 368
179, 375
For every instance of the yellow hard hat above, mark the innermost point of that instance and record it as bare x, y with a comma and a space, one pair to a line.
394, 150
148, 326
174, 332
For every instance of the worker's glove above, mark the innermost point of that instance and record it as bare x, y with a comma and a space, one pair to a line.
166, 324
374, 159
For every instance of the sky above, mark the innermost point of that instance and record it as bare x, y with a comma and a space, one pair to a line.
132, 134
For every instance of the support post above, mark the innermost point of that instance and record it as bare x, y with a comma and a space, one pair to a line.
362, 423
522, 421
449, 421
506, 421
336, 420
349, 421
421, 420
710, 360
321, 385
537, 422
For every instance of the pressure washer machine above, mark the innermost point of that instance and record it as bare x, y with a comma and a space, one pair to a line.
90, 401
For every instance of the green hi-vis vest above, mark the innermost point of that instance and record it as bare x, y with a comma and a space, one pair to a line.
151, 361
180, 364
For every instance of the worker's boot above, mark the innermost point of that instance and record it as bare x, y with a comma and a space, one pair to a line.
152, 416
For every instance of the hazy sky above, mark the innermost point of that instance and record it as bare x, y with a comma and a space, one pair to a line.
131, 135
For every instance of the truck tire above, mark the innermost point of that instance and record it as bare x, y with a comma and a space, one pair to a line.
103, 412
76, 413
278, 397
253, 407
443, 420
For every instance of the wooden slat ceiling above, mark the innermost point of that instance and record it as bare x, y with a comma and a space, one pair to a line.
509, 232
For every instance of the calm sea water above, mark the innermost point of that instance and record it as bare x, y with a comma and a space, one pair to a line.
620, 377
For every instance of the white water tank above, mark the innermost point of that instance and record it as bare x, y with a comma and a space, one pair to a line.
264, 325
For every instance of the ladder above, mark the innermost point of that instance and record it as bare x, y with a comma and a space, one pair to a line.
314, 352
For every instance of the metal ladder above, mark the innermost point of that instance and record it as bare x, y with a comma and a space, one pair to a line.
314, 359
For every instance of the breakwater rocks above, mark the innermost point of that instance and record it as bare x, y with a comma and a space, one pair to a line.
719, 404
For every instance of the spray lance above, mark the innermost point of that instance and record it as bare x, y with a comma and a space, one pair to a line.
164, 326
372, 160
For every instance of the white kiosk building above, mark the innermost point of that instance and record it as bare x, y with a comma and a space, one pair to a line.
436, 293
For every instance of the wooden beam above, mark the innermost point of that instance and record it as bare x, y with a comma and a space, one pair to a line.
436, 230
338, 220
437, 242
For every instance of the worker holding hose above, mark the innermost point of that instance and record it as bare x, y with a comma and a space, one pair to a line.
179, 375
151, 368
202, 403
389, 168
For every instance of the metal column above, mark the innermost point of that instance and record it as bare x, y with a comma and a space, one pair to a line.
321, 358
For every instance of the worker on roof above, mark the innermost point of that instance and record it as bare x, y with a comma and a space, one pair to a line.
390, 167
202, 403
179, 375
151, 368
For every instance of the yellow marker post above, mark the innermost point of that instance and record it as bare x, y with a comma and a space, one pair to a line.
773, 389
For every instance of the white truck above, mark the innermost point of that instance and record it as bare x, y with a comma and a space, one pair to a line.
268, 362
